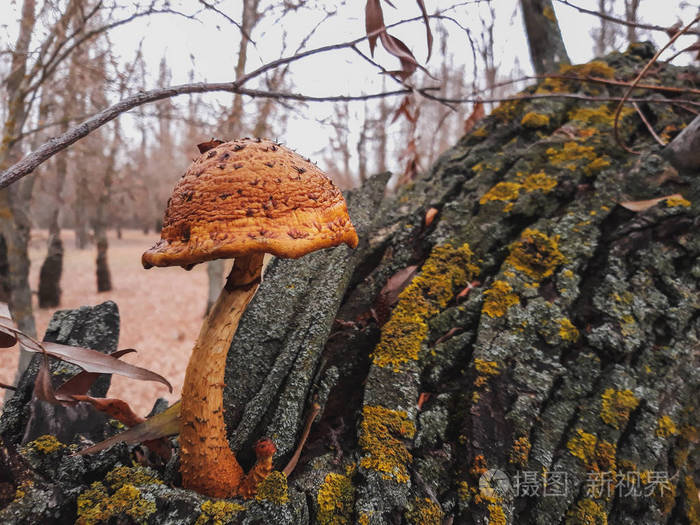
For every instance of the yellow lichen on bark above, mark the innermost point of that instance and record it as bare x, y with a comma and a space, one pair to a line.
498, 299
616, 406
536, 254
382, 432
447, 269
503, 191
665, 427
335, 499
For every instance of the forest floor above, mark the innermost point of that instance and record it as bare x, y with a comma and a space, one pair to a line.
161, 310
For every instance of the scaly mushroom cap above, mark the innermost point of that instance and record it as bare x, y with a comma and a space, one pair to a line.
248, 196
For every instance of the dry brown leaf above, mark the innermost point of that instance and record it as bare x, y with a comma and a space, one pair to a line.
476, 115
374, 21
401, 51
115, 408
429, 34
43, 389
167, 423
430, 216
80, 383
89, 360
646, 204
396, 284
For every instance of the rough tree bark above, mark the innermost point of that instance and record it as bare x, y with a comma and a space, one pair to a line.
533, 327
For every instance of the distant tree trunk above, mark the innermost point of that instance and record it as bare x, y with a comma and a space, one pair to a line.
82, 197
52, 268
4, 272
547, 49
631, 8
602, 35
362, 170
104, 279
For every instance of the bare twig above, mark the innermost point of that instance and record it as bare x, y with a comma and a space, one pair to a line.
650, 27
613, 82
639, 77
315, 409
229, 19
648, 124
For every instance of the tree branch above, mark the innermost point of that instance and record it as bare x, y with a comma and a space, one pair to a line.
650, 27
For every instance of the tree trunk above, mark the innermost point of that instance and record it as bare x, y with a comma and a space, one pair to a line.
50, 273
52, 267
4, 272
104, 279
546, 45
82, 197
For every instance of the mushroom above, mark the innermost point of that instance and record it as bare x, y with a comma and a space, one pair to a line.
239, 199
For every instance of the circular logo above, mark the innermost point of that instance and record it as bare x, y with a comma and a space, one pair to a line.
494, 483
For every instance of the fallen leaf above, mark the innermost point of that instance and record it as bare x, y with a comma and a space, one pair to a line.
115, 408
451, 332
422, 398
645, 205
467, 289
167, 423
430, 216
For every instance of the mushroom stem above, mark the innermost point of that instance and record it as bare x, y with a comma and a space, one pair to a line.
207, 463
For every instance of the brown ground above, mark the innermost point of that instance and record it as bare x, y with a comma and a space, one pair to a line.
161, 310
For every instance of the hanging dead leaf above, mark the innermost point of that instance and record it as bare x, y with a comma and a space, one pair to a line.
476, 115
374, 23
645, 205
43, 389
405, 110
396, 47
429, 34
167, 423
86, 358
80, 383
97, 362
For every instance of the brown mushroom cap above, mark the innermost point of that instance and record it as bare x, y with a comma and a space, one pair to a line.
249, 196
